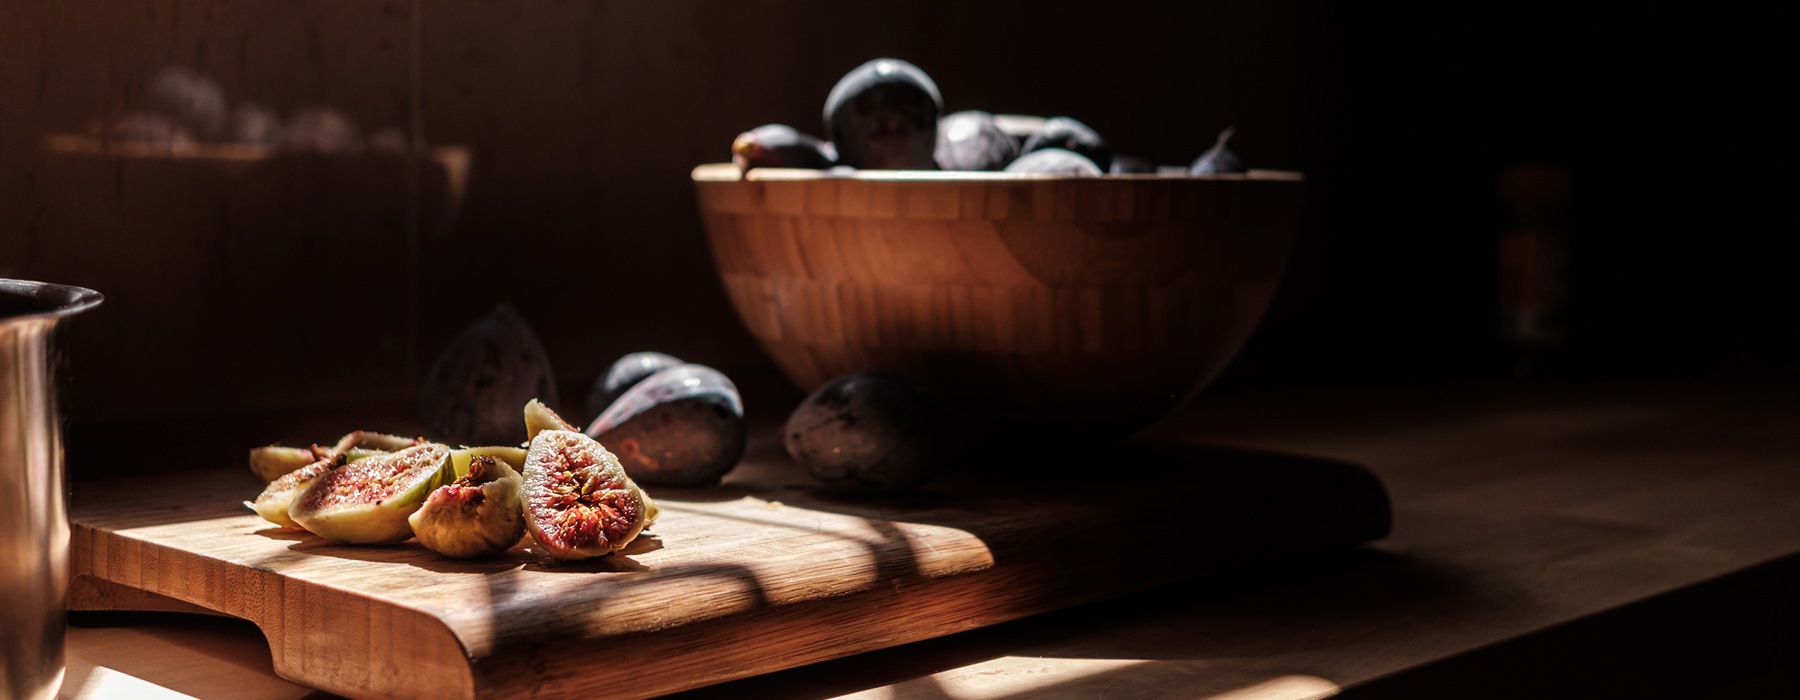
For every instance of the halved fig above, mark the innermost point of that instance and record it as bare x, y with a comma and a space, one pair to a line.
272, 504
478, 515
539, 418
371, 440
271, 461
462, 457
578, 501
368, 501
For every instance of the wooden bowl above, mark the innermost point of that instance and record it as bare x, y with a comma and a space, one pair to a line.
1086, 303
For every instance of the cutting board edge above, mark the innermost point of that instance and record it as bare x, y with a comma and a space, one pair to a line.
318, 654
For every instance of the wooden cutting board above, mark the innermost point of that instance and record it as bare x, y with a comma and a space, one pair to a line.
758, 575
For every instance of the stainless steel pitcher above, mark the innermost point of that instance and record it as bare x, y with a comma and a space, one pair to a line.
34, 521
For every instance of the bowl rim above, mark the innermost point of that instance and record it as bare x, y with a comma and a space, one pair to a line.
728, 172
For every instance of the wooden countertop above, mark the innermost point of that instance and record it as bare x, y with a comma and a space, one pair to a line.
1637, 539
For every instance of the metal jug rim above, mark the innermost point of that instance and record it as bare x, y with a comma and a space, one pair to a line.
44, 299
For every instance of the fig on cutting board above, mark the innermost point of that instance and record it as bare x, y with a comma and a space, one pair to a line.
462, 458
480, 514
579, 503
884, 115
271, 461
539, 418
473, 392
683, 426
272, 504
625, 373
368, 501
868, 433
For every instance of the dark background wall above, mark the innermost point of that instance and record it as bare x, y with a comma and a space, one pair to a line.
581, 120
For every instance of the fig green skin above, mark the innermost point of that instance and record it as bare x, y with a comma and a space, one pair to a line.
883, 115
481, 514
369, 501
272, 461
462, 457
1055, 161
1070, 134
579, 503
869, 433
972, 140
539, 418
683, 426
472, 394
625, 373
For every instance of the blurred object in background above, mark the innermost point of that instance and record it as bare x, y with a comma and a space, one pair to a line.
1534, 266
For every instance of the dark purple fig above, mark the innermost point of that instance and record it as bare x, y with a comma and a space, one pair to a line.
1054, 161
781, 146
625, 373
683, 426
1131, 165
868, 433
1019, 126
321, 131
252, 123
194, 101
884, 116
579, 503
473, 393
1070, 134
368, 501
972, 140
1219, 159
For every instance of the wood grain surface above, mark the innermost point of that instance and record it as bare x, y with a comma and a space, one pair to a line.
758, 575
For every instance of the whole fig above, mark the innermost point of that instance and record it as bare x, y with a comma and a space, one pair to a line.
884, 115
683, 426
973, 140
625, 373
368, 501
474, 390
1054, 161
868, 433
480, 514
781, 146
1219, 159
1131, 165
193, 100
578, 501
1070, 134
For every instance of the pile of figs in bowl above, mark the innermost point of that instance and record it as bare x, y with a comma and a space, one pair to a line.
1013, 267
